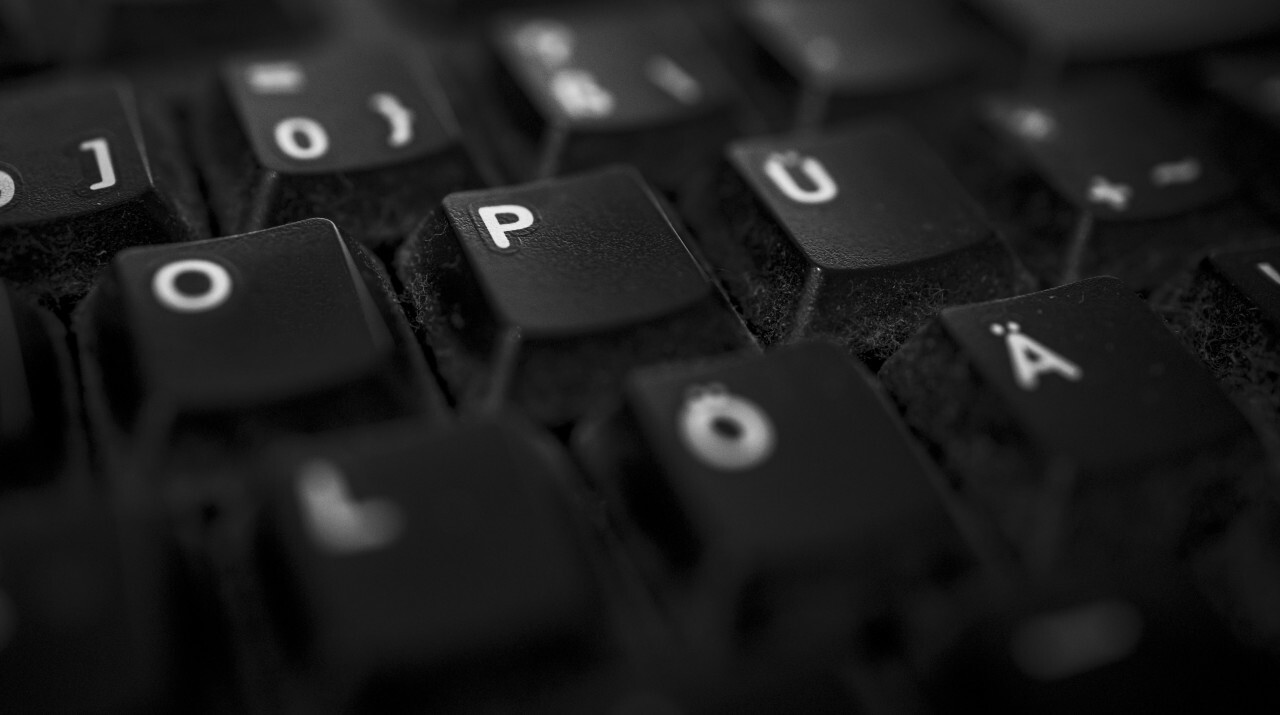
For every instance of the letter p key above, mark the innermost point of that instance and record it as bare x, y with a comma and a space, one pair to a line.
521, 218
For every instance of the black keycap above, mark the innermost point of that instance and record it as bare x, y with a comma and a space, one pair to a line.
85, 622
408, 563
857, 236
824, 61
85, 170
288, 329
772, 486
1228, 313
1075, 409
1143, 641
1088, 30
361, 135
1104, 178
37, 437
519, 288
588, 89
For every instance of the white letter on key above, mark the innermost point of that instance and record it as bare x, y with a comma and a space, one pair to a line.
497, 230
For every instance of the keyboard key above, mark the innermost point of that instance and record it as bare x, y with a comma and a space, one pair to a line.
407, 563
1091, 30
858, 236
38, 439
238, 338
825, 61
356, 134
586, 89
85, 622
1138, 642
1105, 179
519, 288
772, 487
1075, 411
85, 170
1228, 313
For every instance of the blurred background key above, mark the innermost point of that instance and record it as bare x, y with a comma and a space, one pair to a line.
407, 566
362, 135
587, 88
820, 62
1104, 178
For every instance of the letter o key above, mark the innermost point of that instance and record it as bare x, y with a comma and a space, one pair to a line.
165, 286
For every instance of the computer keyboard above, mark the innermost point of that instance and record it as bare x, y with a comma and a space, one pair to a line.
759, 356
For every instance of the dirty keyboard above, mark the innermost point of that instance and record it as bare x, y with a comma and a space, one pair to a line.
774, 356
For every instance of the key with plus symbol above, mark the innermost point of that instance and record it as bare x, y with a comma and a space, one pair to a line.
1098, 422
1103, 179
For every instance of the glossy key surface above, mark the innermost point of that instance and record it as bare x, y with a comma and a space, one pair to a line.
589, 88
